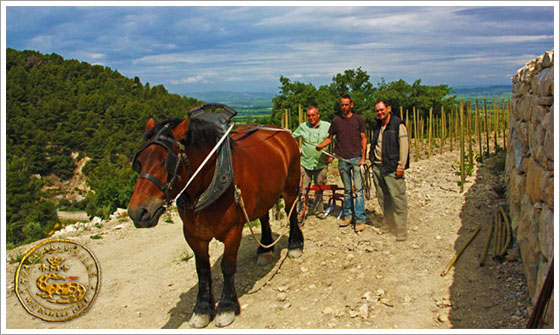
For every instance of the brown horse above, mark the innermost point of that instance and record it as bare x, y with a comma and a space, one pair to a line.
265, 166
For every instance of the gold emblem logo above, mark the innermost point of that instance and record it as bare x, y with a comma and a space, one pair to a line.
57, 280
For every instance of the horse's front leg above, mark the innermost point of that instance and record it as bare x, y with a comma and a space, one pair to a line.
204, 308
228, 307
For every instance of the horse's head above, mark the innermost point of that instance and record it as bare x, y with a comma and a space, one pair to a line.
163, 166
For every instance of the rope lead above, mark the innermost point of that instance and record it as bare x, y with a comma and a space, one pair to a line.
239, 201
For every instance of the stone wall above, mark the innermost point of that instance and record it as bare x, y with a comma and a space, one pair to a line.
530, 167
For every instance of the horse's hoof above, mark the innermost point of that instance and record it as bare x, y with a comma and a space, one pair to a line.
199, 320
265, 258
295, 253
225, 318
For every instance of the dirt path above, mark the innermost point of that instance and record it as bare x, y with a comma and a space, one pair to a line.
344, 280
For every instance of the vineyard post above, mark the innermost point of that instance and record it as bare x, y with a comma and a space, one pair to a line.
478, 131
486, 126
457, 120
430, 122
462, 145
469, 129
442, 133
435, 130
495, 124
415, 120
421, 124
401, 113
408, 130
451, 128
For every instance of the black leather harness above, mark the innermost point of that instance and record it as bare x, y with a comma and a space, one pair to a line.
223, 174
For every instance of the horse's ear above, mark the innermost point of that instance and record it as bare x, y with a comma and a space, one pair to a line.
150, 124
180, 131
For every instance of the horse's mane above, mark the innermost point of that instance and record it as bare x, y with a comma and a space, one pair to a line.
200, 133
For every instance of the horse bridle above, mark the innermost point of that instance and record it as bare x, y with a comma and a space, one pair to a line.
172, 163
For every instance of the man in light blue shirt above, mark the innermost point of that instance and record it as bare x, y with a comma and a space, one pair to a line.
313, 162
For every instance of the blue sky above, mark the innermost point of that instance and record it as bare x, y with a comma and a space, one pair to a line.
247, 48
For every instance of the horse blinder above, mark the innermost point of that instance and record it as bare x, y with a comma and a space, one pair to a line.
171, 164
136, 166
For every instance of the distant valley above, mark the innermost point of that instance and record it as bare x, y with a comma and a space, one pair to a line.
252, 105
249, 105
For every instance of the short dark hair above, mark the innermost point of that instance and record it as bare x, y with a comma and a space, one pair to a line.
346, 96
382, 101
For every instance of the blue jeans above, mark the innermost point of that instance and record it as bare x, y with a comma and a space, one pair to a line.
350, 175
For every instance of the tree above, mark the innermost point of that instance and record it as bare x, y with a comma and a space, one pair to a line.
56, 107
27, 212
110, 193
364, 95
291, 95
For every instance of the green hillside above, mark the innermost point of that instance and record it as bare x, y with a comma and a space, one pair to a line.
56, 107
485, 92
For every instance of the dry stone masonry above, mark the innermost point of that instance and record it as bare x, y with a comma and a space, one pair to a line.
530, 167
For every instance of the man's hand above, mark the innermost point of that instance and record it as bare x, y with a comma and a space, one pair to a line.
323, 144
330, 159
400, 173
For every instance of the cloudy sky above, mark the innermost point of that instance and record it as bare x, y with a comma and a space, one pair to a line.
247, 48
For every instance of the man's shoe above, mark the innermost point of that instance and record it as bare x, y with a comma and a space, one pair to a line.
321, 215
385, 229
402, 235
345, 222
359, 226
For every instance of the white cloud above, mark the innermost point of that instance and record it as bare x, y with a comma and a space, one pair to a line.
189, 80
42, 42
485, 75
89, 56
506, 39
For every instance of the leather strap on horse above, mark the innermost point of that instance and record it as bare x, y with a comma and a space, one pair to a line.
240, 203
204, 162
260, 127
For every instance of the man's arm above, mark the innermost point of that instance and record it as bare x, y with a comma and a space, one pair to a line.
364, 148
298, 132
325, 143
403, 150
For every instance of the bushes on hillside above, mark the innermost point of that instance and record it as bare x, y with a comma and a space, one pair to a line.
55, 107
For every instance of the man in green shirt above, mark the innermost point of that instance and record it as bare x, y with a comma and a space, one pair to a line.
313, 162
